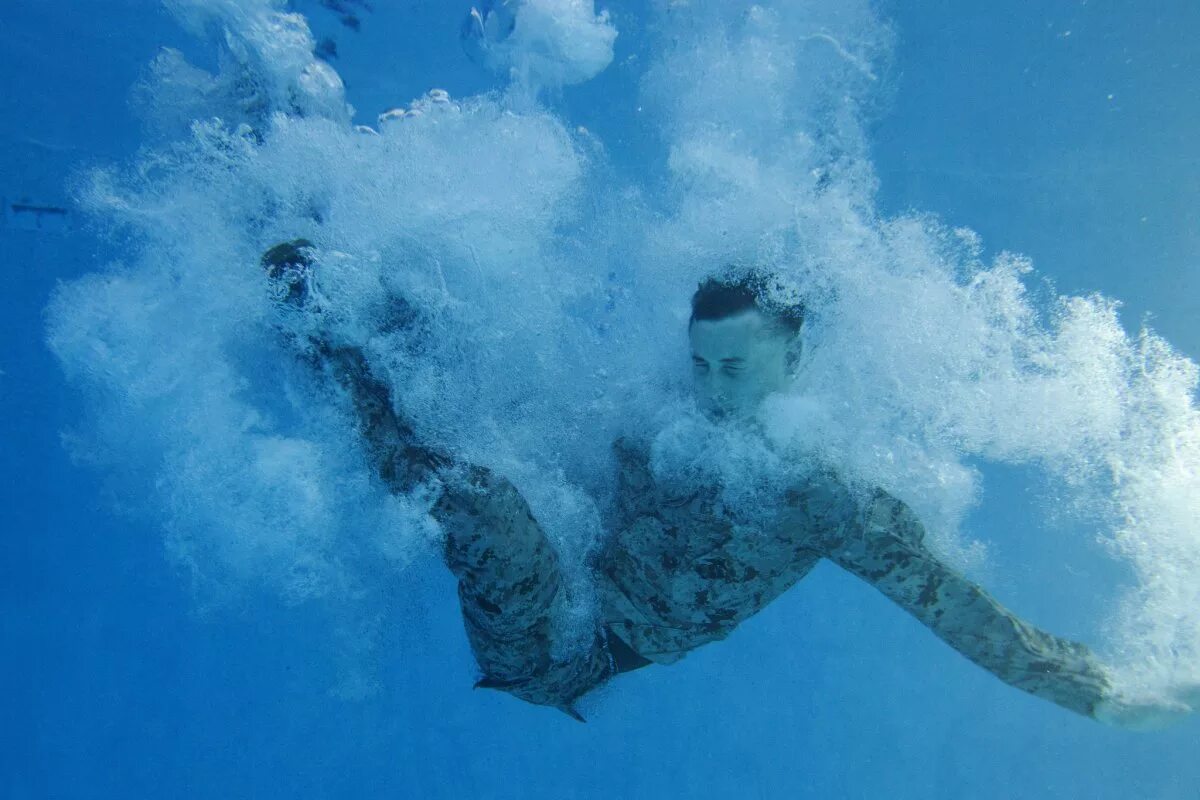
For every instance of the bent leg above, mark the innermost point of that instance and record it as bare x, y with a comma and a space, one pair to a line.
510, 589
510, 583
509, 580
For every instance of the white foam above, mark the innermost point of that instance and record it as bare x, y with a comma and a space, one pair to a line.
553, 308
268, 60
541, 43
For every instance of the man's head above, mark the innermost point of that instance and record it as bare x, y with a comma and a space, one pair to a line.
744, 343
287, 266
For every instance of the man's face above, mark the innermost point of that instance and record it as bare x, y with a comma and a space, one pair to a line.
739, 360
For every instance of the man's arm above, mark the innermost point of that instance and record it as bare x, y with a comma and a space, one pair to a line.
883, 543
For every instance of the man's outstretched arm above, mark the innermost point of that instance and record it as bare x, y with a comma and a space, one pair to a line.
883, 543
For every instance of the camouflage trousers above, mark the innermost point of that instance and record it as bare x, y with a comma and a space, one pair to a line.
510, 587
510, 583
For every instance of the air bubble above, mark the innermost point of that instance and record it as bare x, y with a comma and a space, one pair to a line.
392, 115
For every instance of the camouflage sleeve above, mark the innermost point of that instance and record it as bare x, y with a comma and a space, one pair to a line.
883, 544
509, 581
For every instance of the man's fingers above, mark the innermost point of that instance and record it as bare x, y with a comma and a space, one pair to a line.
1189, 695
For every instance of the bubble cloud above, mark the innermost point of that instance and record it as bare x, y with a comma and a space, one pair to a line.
552, 305
540, 42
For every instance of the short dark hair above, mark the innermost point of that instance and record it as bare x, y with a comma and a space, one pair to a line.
736, 291
293, 255
287, 265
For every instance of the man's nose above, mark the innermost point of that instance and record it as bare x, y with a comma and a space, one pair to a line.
717, 389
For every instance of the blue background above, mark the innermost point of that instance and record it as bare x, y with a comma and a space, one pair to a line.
1078, 150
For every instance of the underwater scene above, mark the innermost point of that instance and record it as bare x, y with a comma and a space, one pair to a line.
592, 399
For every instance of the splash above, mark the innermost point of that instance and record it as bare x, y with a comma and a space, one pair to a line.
540, 43
553, 301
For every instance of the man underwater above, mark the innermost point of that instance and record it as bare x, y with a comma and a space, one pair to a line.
678, 572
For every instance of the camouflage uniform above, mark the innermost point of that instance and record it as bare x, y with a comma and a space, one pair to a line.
680, 573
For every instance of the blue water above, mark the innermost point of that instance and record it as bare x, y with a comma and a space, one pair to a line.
1061, 130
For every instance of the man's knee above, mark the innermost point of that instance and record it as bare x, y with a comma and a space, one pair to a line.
557, 683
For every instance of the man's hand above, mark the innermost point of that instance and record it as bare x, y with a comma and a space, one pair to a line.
1148, 715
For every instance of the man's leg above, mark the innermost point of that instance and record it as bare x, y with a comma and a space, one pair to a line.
511, 589
509, 580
